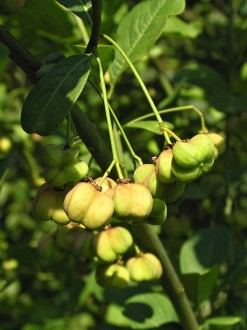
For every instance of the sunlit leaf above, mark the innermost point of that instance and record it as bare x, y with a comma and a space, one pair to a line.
223, 322
140, 29
142, 311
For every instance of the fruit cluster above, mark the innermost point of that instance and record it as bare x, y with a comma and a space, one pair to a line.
110, 248
95, 216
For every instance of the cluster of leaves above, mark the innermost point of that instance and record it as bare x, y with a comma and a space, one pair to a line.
41, 286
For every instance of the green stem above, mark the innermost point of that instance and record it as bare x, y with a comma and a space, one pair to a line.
137, 249
108, 116
182, 108
170, 281
126, 140
144, 88
119, 147
89, 134
93, 42
107, 172
177, 138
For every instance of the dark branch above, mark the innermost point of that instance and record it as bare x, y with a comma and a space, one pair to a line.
93, 42
20, 55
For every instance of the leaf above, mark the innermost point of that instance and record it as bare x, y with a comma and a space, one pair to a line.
54, 95
139, 30
149, 125
207, 248
81, 8
142, 311
223, 322
199, 286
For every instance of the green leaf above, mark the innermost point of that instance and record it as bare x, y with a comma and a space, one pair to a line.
142, 311
223, 323
199, 286
81, 8
149, 125
207, 248
139, 30
54, 95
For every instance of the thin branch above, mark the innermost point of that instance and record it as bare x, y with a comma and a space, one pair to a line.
93, 42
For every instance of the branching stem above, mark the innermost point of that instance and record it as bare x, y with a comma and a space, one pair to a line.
144, 88
176, 109
177, 138
126, 140
108, 116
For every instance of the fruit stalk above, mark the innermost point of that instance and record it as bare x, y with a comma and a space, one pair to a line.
126, 140
145, 91
108, 117
176, 109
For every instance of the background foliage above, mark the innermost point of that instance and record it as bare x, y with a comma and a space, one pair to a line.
200, 59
